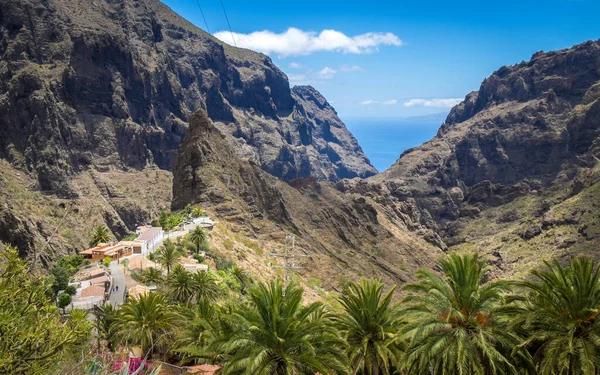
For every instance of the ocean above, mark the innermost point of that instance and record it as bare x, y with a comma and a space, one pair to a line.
384, 139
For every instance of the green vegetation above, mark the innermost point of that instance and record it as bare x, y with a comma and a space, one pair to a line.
168, 255
199, 237
64, 300
34, 336
197, 211
150, 276
561, 318
100, 233
456, 323
63, 270
371, 326
170, 220
148, 322
452, 322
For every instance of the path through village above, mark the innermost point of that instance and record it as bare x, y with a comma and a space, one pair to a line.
117, 297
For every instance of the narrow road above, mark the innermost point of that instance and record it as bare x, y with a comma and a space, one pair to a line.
117, 297
176, 234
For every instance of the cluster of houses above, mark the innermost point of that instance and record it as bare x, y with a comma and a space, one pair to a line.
145, 243
94, 285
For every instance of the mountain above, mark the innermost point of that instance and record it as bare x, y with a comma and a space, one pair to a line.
111, 84
513, 171
347, 236
94, 91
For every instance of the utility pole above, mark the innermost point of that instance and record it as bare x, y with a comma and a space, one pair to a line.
291, 259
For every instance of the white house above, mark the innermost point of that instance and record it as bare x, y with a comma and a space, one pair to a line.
149, 237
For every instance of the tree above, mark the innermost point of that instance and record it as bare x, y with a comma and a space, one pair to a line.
71, 290
458, 325
279, 335
205, 286
149, 322
181, 285
242, 277
100, 233
562, 317
151, 276
371, 325
168, 255
64, 300
34, 336
106, 317
62, 271
197, 211
198, 235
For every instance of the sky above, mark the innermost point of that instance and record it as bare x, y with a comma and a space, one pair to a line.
389, 59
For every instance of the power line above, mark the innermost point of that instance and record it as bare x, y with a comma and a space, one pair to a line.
290, 260
204, 18
228, 24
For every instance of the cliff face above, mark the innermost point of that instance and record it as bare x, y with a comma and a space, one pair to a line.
507, 159
529, 126
347, 235
111, 85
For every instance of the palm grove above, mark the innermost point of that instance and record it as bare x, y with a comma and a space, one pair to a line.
451, 322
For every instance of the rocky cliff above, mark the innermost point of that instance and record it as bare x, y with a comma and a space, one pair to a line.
95, 97
346, 235
522, 145
111, 84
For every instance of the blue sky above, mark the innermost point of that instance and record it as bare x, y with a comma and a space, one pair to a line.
430, 52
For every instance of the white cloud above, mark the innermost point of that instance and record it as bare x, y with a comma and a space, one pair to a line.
349, 68
390, 102
296, 42
326, 73
295, 65
436, 102
368, 102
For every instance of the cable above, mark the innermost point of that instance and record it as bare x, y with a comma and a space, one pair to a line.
228, 24
204, 18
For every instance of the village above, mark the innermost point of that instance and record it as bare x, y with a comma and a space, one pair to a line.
109, 274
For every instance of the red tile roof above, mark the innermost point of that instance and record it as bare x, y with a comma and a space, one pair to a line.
93, 291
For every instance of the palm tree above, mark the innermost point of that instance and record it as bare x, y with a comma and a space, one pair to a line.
371, 326
563, 318
197, 211
168, 255
280, 336
181, 285
206, 325
198, 236
457, 325
99, 233
151, 276
242, 277
106, 316
205, 286
148, 321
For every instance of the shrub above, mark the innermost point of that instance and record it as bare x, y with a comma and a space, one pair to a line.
64, 300
70, 290
198, 257
106, 261
223, 264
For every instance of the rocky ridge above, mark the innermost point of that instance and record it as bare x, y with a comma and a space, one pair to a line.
111, 85
529, 137
345, 234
